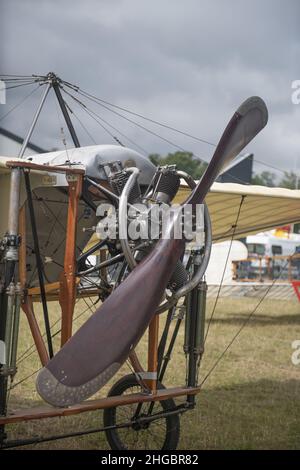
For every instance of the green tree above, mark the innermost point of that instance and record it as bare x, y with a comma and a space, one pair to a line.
184, 161
266, 178
289, 180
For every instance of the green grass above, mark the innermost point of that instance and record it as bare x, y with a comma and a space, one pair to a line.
250, 401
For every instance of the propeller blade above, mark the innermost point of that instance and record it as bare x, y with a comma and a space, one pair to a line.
99, 348
248, 120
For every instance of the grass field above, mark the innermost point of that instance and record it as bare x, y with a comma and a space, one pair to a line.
250, 401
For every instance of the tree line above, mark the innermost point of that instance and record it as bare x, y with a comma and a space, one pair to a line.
186, 161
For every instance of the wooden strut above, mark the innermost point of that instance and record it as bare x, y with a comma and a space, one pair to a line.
91, 405
67, 292
27, 307
69, 170
153, 353
26, 303
67, 295
53, 289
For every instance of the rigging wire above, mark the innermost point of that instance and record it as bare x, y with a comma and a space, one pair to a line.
104, 128
260, 162
18, 80
157, 135
21, 77
19, 103
14, 385
81, 123
246, 321
103, 103
140, 126
20, 85
84, 106
153, 121
25, 354
15, 76
61, 136
188, 135
14, 83
234, 227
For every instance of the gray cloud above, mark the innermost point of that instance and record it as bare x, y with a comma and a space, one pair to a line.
189, 64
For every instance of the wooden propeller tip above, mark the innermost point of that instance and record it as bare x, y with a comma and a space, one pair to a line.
58, 394
255, 102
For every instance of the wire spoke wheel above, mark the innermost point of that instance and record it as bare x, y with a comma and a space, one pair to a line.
159, 434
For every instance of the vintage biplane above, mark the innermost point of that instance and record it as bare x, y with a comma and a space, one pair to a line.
50, 204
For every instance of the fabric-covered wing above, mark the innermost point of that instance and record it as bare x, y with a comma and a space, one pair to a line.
262, 208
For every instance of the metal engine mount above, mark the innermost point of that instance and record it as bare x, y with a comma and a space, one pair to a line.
162, 190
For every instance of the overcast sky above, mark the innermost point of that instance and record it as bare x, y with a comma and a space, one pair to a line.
186, 63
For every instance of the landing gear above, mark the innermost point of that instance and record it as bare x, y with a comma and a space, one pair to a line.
133, 426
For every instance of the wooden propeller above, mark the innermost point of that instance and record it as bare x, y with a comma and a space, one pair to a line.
99, 348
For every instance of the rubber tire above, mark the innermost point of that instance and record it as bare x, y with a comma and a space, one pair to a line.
172, 421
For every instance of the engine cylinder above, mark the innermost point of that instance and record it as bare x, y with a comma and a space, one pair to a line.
179, 277
166, 184
118, 181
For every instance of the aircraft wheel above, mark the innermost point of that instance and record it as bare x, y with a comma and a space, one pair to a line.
160, 434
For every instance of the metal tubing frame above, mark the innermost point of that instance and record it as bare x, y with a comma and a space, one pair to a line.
26, 303
74, 177
179, 409
196, 311
153, 333
15, 329
123, 219
11, 298
34, 121
52, 81
98, 404
164, 338
64, 110
11, 259
68, 281
39, 263
69, 288
14, 201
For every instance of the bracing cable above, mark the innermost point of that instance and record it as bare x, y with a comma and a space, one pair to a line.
179, 147
234, 227
96, 116
153, 121
19, 103
245, 323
